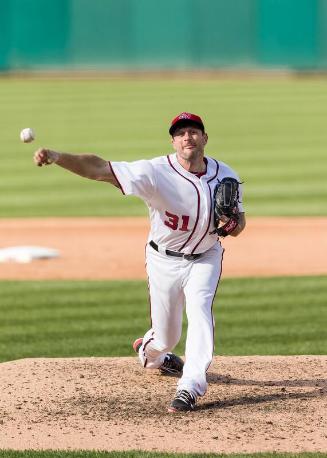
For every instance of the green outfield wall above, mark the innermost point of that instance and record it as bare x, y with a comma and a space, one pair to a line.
170, 34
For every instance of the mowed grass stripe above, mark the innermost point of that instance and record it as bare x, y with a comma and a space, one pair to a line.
97, 318
269, 131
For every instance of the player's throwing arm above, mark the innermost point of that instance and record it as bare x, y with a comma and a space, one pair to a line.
85, 165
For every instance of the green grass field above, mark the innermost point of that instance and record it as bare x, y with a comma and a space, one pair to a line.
276, 316
271, 131
135, 454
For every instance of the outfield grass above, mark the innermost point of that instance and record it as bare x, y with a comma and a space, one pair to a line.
135, 454
276, 316
271, 131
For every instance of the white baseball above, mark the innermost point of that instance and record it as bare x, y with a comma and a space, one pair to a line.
27, 135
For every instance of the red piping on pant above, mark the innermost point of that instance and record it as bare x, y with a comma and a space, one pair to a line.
146, 360
213, 326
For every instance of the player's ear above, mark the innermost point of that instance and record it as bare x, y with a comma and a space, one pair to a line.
205, 137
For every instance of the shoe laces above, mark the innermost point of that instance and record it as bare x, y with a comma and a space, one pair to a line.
172, 364
169, 362
186, 397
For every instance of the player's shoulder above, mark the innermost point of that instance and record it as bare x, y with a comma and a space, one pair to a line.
146, 165
226, 170
159, 162
149, 162
223, 168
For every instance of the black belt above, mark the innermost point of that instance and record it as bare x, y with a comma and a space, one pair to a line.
177, 254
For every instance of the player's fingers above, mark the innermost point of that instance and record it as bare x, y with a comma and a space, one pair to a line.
37, 160
41, 157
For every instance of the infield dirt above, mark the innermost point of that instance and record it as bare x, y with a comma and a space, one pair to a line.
253, 404
113, 248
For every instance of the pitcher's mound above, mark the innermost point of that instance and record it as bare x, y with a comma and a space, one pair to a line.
253, 404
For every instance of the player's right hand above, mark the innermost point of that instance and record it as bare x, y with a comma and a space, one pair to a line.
45, 156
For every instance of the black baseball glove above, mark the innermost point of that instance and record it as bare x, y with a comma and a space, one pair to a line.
225, 202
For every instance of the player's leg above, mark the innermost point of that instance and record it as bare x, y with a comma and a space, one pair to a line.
166, 309
200, 288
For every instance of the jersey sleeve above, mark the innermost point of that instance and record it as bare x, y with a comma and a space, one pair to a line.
135, 178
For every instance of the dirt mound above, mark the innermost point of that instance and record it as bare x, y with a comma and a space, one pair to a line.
253, 404
113, 248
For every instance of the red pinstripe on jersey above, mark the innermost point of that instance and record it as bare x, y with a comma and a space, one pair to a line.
212, 178
198, 204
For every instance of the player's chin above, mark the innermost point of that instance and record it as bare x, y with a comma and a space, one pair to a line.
190, 151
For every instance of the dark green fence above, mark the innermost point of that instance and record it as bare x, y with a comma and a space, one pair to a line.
170, 34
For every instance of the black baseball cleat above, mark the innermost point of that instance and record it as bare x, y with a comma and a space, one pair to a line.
182, 402
172, 365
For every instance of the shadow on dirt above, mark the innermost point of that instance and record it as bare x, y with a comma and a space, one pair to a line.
247, 400
227, 379
283, 395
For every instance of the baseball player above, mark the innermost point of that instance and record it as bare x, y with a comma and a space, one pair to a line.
183, 252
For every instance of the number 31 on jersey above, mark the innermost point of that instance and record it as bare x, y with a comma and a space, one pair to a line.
175, 222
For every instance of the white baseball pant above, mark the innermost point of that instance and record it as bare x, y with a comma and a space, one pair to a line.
174, 283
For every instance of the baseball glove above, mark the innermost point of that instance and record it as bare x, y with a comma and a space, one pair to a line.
225, 200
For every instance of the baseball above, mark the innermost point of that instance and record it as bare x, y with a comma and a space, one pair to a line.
27, 135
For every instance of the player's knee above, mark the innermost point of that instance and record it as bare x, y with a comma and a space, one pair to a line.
157, 348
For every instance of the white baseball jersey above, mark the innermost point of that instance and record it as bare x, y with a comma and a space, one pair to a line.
180, 203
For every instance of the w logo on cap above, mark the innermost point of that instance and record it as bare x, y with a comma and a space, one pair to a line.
185, 116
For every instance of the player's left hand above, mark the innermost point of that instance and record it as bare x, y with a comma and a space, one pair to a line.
226, 212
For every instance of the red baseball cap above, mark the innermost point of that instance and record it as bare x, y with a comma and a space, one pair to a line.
186, 119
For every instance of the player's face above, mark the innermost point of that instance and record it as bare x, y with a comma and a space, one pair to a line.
189, 142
